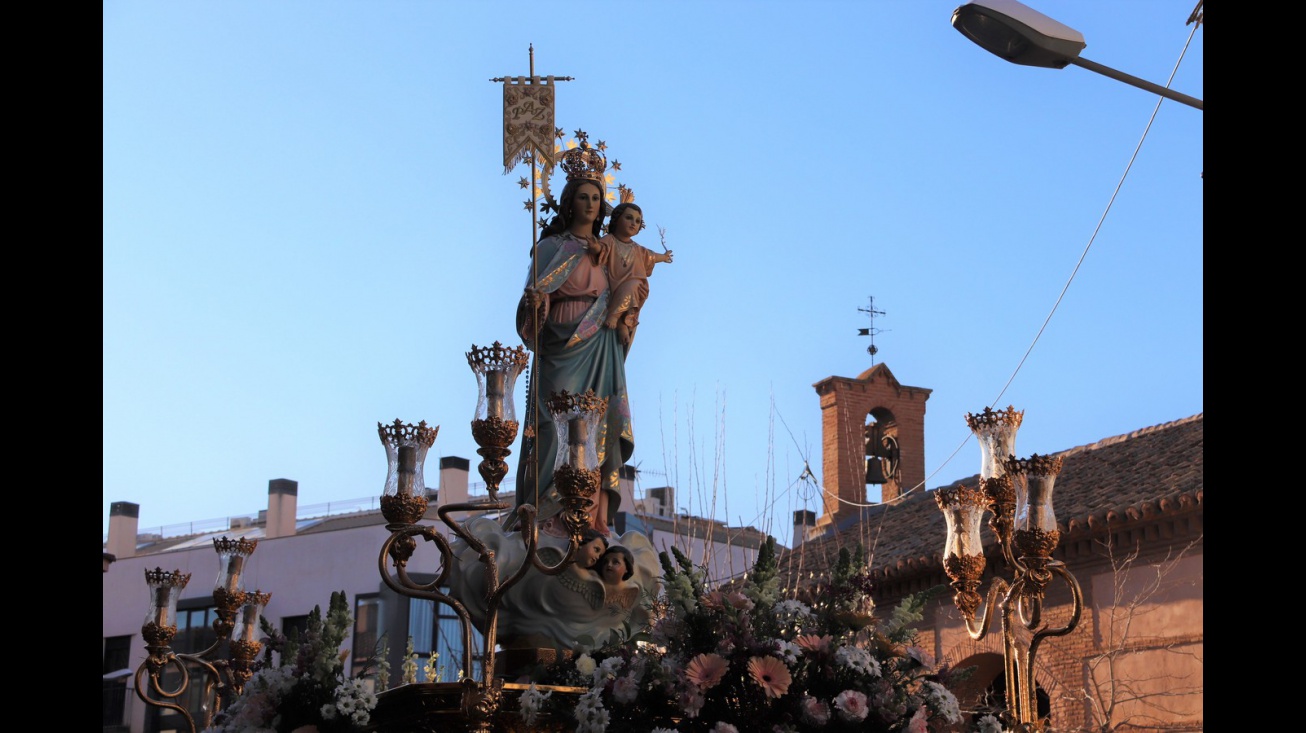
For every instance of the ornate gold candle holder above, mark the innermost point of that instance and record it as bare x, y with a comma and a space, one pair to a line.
1018, 492
577, 475
963, 552
494, 426
403, 501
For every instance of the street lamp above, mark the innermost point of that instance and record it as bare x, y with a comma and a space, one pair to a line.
1022, 35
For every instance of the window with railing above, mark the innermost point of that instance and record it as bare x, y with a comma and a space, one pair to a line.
117, 672
367, 631
436, 628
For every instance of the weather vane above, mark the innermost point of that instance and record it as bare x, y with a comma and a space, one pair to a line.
870, 311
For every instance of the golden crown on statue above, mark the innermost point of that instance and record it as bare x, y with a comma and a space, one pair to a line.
584, 162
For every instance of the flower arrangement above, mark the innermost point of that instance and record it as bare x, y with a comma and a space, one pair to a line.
307, 692
745, 659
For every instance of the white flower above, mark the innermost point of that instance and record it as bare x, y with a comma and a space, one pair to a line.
792, 608
664, 730
788, 651
590, 715
858, 659
531, 702
585, 665
943, 701
328, 711
724, 727
608, 669
988, 724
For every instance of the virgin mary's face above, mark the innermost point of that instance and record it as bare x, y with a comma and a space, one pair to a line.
586, 204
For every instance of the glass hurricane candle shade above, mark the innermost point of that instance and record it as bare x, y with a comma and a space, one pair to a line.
1035, 533
496, 369
963, 551
165, 590
231, 564
576, 421
411, 442
1034, 478
403, 500
247, 620
963, 510
996, 433
576, 472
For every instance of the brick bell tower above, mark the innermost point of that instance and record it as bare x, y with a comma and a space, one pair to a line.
872, 432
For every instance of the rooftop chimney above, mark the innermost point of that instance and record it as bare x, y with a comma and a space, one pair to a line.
124, 517
804, 521
283, 502
453, 480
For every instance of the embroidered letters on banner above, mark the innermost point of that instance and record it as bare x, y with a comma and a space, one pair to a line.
527, 120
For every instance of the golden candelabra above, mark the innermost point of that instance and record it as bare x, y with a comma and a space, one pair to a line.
227, 664
1018, 495
473, 702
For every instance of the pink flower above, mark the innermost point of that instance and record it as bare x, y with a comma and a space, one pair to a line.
691, 700
851, 705
815, 711
917, 723
772, 676
625, 690
706, 670
813, 643
740, 601
715, 600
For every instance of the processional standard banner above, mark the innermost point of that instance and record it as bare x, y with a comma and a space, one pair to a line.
527, 120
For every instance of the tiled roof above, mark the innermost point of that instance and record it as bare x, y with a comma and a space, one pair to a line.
1152, 469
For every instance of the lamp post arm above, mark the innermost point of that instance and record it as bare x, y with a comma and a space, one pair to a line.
1135, 81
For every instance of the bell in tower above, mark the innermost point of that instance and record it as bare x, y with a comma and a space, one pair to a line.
881, 448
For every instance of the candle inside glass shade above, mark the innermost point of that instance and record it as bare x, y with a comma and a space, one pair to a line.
1034, 479
247, 625
234, 565
496, 368
995, 431
162, 613
165, 589
1038, 513
494, 393
405, 452
577, 438
963, 511
407, 469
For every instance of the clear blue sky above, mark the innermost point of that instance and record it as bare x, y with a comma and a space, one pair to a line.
307, 226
